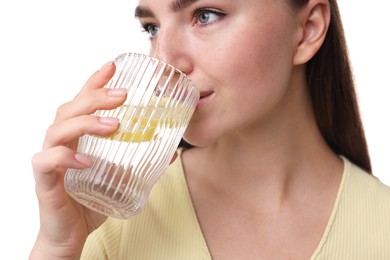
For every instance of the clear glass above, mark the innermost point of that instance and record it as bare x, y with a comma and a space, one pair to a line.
126, 165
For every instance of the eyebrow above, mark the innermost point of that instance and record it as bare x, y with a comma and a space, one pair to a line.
178, 5
143, 12
174, 6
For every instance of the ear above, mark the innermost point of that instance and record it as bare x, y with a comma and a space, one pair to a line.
314, 22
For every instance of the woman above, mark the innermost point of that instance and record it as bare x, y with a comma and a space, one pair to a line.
278, 168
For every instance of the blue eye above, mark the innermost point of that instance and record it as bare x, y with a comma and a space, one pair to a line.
151, 29
207, 16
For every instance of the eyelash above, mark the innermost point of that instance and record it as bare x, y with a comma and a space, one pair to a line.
200, 11
146, 27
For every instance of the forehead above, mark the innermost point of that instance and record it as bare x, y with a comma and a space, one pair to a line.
173, 5
149, 8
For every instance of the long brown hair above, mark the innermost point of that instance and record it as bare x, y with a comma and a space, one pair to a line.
333, 93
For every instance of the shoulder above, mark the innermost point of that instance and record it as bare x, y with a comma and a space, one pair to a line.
364, 198
166, 226
149, 222
359, 227
365, 189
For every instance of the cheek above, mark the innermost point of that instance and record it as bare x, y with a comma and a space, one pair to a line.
250, 70
258, 69
264, 47
254, 78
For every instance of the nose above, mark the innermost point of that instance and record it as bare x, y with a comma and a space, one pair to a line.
172, 48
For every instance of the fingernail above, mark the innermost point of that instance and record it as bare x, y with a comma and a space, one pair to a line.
117, 92
84, 160
108, 64
111, 121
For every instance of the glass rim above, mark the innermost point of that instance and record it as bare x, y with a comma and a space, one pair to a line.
147, 56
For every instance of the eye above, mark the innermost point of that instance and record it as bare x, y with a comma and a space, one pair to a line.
151, 29
207, 16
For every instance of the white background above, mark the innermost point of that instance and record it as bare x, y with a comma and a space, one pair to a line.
49, 48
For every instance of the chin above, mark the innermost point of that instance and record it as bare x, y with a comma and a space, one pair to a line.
199, 133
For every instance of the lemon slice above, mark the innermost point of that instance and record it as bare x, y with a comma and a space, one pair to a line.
143, 133
141, 123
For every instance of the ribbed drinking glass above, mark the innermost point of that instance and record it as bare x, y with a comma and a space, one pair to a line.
126, 165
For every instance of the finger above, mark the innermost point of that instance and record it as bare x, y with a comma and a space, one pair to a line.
92, 96
100, 77
89, 102
57, 158
50, 165
71, 129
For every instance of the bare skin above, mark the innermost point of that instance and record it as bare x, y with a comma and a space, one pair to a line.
262, 222
245, 212
263, 184
262, 179
64, 224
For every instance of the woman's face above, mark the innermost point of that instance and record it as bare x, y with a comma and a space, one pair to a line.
239, 53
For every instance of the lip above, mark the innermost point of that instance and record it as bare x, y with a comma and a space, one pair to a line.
204, 96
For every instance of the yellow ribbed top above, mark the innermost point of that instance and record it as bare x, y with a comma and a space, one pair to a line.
358, 229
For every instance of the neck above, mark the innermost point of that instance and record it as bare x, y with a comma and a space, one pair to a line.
274, 168
272, 159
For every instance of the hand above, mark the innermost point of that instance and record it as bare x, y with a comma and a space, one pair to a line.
65, 224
